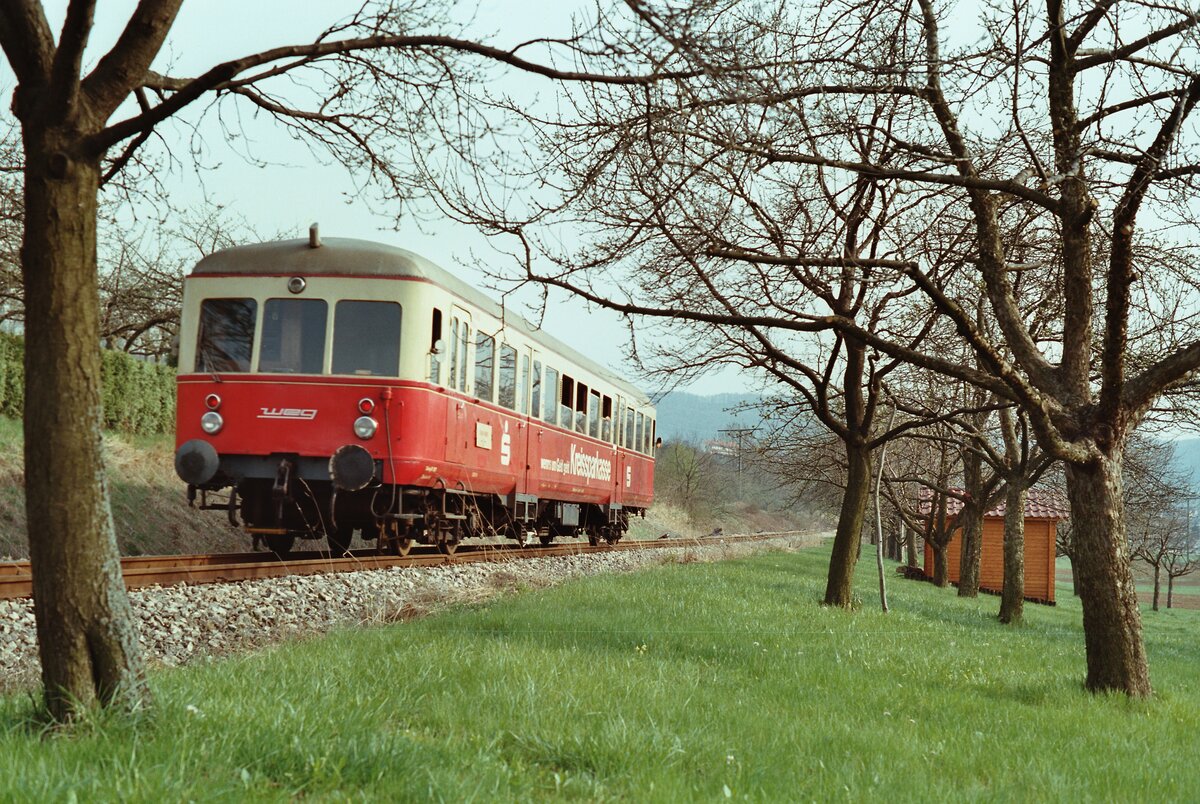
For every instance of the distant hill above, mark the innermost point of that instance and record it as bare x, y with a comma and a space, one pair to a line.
684, 416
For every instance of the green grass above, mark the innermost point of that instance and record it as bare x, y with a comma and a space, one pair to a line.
684, 682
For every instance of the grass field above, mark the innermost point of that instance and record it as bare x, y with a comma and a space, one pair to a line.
684, 682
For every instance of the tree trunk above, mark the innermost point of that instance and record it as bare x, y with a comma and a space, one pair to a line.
1112, 623
941, 566
86, 634
846, 541
1157, 585
1074, 577
971, 527
1012, 597
910, 545
1170, 589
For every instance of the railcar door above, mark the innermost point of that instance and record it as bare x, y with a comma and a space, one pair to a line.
533, 433
457, 437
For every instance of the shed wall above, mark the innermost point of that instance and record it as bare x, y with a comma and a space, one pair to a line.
1040, 535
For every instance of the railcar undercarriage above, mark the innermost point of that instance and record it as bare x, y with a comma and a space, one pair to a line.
278, 511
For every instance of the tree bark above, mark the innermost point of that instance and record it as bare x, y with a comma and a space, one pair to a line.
1157, 585
87, 639
839, 590
971, 527
910, 546
1112, 622
1170, 589
1012, 597
941, 566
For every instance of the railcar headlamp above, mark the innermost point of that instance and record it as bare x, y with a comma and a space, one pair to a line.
365, 427
296, 284
211, 422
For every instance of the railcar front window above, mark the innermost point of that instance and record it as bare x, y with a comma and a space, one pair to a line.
226, 335
366, 338
293, 336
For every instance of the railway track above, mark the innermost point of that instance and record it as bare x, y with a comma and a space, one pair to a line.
16, 580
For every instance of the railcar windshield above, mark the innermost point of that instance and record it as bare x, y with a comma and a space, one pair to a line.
293, 337
366, 338
226, 336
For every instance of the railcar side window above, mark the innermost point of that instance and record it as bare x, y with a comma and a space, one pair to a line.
581, 393
648, 447
606, 428
485, 347
641, 421
566, 408
366, 338
508, 377
594, 414
435, 340
293, 336
454, 353
226, 335
629, 442
523, 385
535, 404
553, 389
464, 338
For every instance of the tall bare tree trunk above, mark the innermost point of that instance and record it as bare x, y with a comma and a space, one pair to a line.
839, 590
86, 635
910, 547
1112, 622
971, 526
941, 566
1012, 597
1157, 585
1170, 589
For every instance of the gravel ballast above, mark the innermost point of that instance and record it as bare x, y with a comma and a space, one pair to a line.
181, 624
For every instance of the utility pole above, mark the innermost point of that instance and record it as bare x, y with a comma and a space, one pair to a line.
739, 433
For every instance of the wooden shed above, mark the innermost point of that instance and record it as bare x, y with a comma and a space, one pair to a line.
1043, 512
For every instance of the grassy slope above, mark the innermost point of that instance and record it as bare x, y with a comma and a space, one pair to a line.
149, 507
683, 682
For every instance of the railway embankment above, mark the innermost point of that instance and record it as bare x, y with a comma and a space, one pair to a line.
681, 682
182, 624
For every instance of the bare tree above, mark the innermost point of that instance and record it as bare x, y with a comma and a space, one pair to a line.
1074, 120
397, 69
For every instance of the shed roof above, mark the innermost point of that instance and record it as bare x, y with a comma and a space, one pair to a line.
1039, 504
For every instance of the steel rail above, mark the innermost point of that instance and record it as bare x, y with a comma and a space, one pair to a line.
16, 579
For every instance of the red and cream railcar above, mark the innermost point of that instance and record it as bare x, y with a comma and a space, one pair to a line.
347, 385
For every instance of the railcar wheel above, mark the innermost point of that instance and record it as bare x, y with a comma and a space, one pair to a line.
280, 543
339, 540
448, 547
546, 540
401, 545
593, 538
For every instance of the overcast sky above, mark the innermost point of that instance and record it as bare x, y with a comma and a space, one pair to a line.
295, 189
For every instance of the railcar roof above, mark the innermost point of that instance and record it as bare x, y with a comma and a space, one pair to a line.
340, 256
